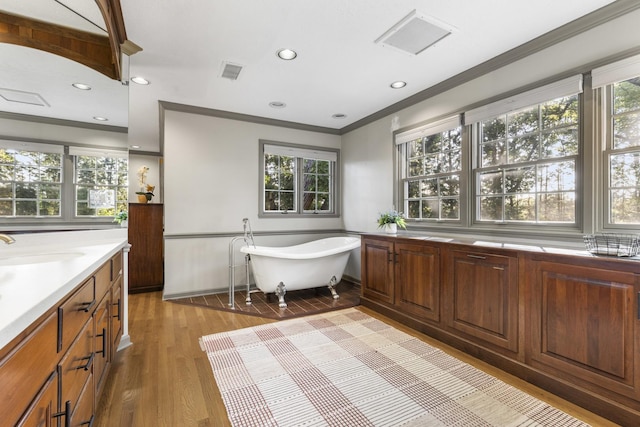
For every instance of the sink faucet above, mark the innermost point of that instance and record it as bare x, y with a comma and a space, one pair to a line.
7, 239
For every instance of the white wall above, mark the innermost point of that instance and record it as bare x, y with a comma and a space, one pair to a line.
61, 134
211, 182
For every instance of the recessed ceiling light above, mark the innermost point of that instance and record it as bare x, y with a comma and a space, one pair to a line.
339, 116
398, 85
81, 86
135, 146
100, 119
287, 54
140, 80
277, 104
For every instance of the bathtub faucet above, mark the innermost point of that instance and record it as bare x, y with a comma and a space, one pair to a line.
7, 239
248, 234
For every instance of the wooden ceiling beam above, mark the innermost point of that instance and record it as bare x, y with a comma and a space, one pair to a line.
101, 53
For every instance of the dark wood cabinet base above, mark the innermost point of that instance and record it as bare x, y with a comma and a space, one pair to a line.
625, 414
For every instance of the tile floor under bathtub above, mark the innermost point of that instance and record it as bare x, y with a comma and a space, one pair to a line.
299, 303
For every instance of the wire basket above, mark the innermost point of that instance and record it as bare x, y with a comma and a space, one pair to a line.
622, 245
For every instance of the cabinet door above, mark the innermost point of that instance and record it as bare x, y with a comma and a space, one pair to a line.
76, 366
84, 412
377, 270
116, 316
26, 369
146, 264
584, 326
42, 410
483, 298
417, 280
102, 342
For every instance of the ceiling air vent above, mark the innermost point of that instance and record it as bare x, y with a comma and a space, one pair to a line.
22, 97
414, 33
230, 71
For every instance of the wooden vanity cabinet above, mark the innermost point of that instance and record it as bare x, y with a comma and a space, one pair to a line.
403, 275
377, 270
417, 280
584, 326
481, 297
48, 372
567, 323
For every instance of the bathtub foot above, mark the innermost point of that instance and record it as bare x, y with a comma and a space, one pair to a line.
332, 287
280, 291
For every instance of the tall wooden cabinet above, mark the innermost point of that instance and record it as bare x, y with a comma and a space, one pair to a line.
146, 257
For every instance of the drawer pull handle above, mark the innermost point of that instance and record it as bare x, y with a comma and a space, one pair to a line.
89, 360
498, 268
476, 256
89, 305
104, 342
118, 314
66, 414
60, 312
89, 423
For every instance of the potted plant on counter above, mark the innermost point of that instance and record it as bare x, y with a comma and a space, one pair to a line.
391, 220
121, 218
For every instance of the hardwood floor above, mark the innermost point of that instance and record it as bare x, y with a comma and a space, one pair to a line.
164, 378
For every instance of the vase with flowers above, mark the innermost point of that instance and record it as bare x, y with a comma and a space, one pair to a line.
391, 220
146, 190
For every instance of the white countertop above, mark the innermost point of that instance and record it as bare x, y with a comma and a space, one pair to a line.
29, 287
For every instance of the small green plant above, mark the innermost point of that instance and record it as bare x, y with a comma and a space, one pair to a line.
392, 217
120, 217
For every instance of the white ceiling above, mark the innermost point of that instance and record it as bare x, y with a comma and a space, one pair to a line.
339, 69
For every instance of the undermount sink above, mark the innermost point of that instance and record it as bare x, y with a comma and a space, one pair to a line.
38, 258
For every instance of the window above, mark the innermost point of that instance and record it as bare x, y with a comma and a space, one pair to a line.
623, 152
432, 164
30, 180
101, 185
526, 156
527, 164
298, 179
618, 89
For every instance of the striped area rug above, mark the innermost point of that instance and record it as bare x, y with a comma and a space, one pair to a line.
346, 368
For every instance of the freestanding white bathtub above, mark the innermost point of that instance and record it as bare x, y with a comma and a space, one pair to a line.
309, 265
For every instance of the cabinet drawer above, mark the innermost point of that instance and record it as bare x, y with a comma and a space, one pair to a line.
116, 266
74, 313
25, 370
103, 280
76, 366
